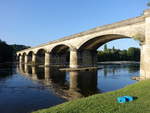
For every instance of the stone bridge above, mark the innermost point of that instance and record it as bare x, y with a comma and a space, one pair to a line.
80, 50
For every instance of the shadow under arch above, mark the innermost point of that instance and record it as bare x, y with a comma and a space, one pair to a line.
19, 57
23, 57
30, 55
88, 49
40, 57
96, 42
60, 54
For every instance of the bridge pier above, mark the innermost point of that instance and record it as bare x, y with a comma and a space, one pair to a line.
20, 59
145, 62
73, 59
33, 58
47, 59
25, 59
145, 49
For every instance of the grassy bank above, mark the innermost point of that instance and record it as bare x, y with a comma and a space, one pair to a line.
106, 103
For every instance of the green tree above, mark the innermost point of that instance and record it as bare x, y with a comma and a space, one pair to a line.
123, 55
8, 52
133, 54
5, 52
16, 48
113, 49
105, 47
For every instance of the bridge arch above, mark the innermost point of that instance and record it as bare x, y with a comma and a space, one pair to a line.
40, 56
95, 42
30, 56
60, 54
88, 48
19, 58
59, 48
39, 50
24, 57
67, 45
19, 54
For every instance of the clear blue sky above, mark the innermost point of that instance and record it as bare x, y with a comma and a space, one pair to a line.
33, 22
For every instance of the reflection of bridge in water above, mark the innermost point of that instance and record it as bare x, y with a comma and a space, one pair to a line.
79, 84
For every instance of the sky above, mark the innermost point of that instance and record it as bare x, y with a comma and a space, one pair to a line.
34, 22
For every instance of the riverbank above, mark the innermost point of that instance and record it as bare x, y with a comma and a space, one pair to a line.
106, 102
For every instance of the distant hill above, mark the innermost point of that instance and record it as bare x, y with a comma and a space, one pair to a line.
8, 52
16, 48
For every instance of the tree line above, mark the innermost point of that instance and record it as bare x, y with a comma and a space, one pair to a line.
8, 52
131, 54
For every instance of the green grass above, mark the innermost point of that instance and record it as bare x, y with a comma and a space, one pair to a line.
106, 102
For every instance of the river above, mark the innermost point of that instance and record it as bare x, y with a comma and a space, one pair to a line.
24, 89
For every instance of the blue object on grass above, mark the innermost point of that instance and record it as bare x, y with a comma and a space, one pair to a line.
128, 98
121, 100
124, 99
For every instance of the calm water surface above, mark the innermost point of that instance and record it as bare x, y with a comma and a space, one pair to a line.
24, 89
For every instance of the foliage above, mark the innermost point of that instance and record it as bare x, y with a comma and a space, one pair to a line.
18, 48
8, 52
106, 102
5, 52
132, 54
105, 47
